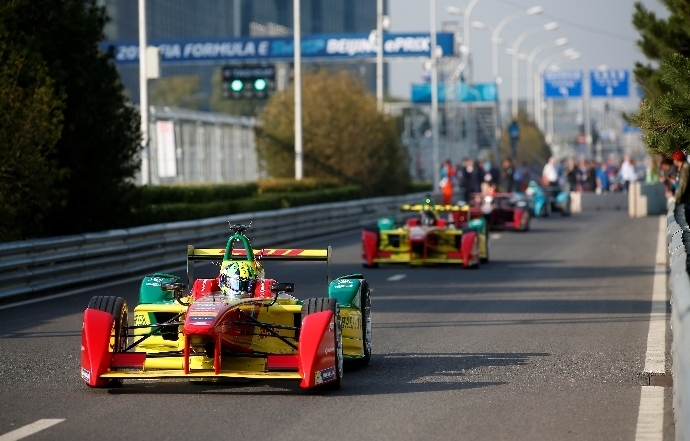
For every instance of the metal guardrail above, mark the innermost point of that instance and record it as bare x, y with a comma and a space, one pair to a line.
38, 267
678, 243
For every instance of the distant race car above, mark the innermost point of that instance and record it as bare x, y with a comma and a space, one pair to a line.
502, 211
434, 234
543, 201
238, 325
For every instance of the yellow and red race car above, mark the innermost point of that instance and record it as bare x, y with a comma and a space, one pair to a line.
237, 325
436, 234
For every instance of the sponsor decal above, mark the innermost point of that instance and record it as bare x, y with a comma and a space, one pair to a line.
199, 323
208, 314
329, 351
86, 375
330, 327
351, 322
140, 320
325, 375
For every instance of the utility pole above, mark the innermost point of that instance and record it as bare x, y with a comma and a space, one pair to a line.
379, 54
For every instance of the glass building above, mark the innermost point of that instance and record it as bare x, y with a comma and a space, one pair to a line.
235, 18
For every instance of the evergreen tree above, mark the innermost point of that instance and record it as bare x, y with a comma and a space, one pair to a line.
660, 37
665, 121
345, 137
100, 137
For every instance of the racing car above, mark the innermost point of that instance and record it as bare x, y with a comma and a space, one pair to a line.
502, 211
237, 325
543, 201
434, 234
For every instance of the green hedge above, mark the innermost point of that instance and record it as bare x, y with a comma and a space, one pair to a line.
201, 193
180, 211
420, 186
293, 186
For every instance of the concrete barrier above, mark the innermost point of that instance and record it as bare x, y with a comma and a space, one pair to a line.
646, 199
604, 201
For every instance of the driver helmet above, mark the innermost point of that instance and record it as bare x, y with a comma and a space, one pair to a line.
237, 279
428, 218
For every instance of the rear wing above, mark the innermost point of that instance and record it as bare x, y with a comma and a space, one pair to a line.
420, 207
283, 254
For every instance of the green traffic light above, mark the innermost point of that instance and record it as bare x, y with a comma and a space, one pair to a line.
260, 84
237, 85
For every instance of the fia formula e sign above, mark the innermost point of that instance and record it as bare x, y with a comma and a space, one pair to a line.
321, 46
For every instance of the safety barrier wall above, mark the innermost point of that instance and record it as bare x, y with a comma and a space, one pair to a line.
38, 267
678, 242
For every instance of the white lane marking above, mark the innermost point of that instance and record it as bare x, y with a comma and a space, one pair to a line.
650, 419
397, 277
29, 429
655, 360
494, 236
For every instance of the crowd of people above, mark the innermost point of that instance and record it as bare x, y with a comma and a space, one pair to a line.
480, 176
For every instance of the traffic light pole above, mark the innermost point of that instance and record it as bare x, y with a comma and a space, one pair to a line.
298, 89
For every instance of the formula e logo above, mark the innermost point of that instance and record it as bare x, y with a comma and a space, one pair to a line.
324, 376
86, 375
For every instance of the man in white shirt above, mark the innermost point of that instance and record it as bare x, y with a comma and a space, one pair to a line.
628, 174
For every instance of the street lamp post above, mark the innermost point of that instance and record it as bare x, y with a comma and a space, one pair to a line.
495, 36
434, 97
516, 46
379, 54
531, 101
143, 94
298, 88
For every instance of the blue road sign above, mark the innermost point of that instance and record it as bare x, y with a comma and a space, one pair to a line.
563, 84
612, 82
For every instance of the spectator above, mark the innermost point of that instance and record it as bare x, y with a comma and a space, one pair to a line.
628, 174
591, 178
446, 183
682, 195
514, 134
472, 179
519, 177
508, 175
572, 175
602, 177
549, 176
667, 175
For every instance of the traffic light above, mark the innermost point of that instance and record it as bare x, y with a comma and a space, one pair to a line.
248, 81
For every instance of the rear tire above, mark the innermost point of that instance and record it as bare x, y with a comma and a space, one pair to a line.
314, 305
365, 308
117, 307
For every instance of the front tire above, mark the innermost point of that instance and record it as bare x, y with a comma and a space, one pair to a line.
312, 306
117, 307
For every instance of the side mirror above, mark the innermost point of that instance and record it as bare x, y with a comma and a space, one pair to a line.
176, 286
283, 287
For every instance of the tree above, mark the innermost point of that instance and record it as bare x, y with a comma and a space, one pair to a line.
345, 137
665, 121
659, 38
100, 138
31, 115
531, 144
176, 91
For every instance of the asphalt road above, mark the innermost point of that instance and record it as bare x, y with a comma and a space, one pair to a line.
545, 342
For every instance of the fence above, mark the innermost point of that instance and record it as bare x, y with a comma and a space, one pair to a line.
36, 267
678, 243
191, 146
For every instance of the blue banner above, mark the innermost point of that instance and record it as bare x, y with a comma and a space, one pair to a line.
482, 92
612, 82
563, 84
321, 46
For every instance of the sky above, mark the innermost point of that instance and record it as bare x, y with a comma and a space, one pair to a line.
601, 30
